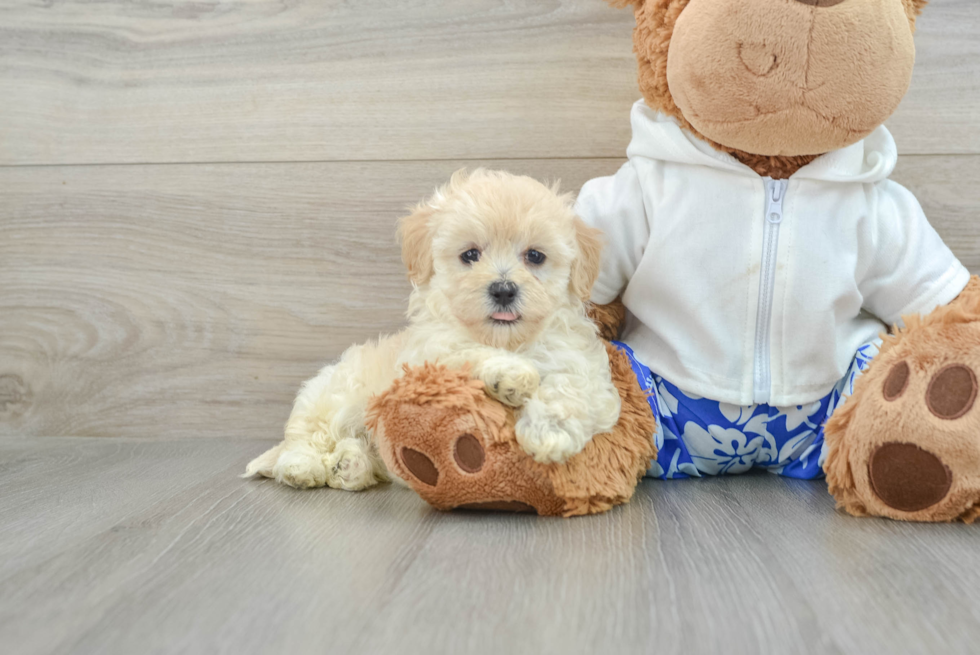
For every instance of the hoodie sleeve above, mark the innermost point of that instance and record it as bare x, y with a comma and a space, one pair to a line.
913, 271
614, 204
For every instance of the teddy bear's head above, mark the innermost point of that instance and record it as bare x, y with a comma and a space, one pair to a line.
775, 82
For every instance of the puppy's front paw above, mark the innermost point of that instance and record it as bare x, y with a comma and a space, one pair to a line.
509, 379
349, 466
545, 441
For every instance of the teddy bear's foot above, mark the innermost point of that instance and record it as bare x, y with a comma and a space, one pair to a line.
439, 431
906, 445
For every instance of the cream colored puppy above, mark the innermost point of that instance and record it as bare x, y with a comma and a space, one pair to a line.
501, 268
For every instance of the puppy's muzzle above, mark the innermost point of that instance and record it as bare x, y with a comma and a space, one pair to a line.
503, 293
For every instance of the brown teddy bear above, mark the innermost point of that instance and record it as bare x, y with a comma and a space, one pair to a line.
437, 430
759, 250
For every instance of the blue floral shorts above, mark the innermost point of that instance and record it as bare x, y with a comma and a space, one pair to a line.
696, 436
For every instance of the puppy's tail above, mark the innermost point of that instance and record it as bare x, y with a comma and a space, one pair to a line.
262, 465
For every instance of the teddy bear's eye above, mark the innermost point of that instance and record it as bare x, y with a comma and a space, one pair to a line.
470, 256
535, 257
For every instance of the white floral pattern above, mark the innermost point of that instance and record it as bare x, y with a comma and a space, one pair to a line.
720, 450
697, 436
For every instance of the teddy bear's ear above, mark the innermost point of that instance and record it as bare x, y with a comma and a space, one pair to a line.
913, 8
585, 268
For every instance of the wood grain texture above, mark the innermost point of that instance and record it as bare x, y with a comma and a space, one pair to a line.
317, 80
132, 545
939, 114
313, 80
948, 191
192, 300
195, 299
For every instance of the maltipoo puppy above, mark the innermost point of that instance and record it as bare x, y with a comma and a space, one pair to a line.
501, 269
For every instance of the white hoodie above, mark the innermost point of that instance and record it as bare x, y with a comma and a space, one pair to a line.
748, 290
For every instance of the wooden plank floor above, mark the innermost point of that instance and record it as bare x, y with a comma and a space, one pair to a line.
155, 546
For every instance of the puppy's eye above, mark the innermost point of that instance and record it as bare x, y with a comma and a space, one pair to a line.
534, 257
470, 256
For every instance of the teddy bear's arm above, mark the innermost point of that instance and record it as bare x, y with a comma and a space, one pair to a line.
907, 269
969, 298
609, 318
615, 205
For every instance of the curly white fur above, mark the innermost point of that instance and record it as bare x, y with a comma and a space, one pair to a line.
548, 362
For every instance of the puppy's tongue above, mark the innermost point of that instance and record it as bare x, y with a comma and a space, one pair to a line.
504, 316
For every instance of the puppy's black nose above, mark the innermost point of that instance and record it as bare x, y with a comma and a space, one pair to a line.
503, 292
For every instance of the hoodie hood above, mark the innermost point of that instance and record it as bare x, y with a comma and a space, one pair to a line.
659, 137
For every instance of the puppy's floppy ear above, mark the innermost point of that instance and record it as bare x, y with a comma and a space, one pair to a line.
585, 268
416, 230
415, 234
624, 3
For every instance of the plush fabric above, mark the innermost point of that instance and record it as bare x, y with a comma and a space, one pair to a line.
883, 412
777, 85
431, 425
797, 94
653, 39
609, 318
905, 445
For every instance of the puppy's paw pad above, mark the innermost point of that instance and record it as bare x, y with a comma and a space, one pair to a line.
546, 442
349, 468
512, 391
510, 380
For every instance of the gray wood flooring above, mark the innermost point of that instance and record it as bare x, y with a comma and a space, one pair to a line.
154, 546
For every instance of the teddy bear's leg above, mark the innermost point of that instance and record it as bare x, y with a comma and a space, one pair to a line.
906, 445
445, 438
609, 318
439, 432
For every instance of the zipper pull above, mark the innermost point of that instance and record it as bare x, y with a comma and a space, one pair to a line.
777, 190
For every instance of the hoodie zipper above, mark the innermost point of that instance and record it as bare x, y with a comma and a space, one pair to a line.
762, 372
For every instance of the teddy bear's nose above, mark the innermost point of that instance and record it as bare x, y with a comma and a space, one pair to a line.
821, 3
